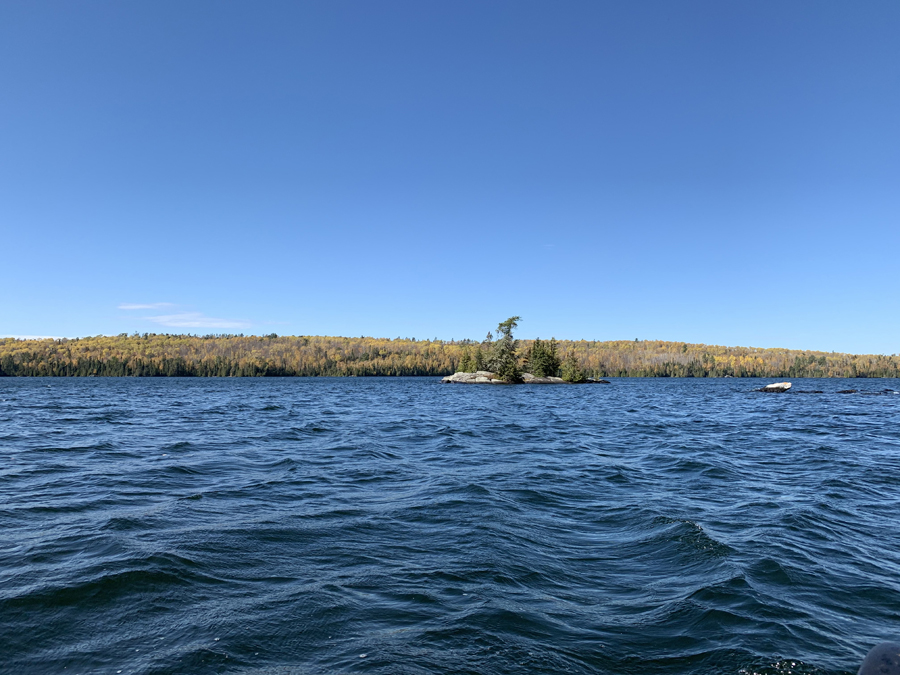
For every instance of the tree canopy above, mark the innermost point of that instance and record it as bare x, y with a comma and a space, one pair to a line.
542, 359
504, 358
571, 369
153, 355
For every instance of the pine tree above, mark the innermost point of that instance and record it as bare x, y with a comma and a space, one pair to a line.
552, 364
528, 361
466, 365
534, 360
543, 360
571, 371
503, 359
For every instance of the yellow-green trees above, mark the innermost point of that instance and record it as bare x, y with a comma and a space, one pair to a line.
150, 355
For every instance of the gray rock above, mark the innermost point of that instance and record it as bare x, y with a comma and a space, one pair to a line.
542, 380
481, 377
487, 377
776, 388
459, 378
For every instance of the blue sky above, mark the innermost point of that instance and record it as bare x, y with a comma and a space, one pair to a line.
716, 172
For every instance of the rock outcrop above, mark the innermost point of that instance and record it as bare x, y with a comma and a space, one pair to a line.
776, 388
479, 377
528, 378
487, 377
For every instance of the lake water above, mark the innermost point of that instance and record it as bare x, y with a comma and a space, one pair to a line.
403, 526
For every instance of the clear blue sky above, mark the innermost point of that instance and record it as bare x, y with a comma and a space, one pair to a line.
719, 172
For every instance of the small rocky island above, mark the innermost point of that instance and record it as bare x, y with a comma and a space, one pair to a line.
487, 377
776, 388
498, 362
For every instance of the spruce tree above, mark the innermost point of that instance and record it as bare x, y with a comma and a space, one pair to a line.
478, 361
571, 371
465, 362
543, 360
552, 363
483, 353
534, 362
529, 356
503, 359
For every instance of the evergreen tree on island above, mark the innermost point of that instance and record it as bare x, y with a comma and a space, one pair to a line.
503, 359
571, 370
478, 361
466, 363
542, 359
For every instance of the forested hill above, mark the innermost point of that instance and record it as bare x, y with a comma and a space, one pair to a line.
236, 355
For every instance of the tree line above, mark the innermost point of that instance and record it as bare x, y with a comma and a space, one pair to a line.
160, 355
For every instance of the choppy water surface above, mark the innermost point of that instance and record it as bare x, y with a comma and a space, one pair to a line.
404, 526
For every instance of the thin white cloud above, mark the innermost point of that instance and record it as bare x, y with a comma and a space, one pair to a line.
195, 320
152, 305
32, 337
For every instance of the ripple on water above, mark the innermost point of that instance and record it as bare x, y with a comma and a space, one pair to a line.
316, 525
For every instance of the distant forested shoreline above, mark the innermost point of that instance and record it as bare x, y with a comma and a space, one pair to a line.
159, 355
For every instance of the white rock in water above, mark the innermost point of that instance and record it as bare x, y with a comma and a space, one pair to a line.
461, 378
778, 387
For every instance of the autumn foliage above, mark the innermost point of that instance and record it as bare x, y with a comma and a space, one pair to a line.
151, 355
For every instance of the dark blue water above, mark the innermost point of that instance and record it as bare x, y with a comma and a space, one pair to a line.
404, 526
